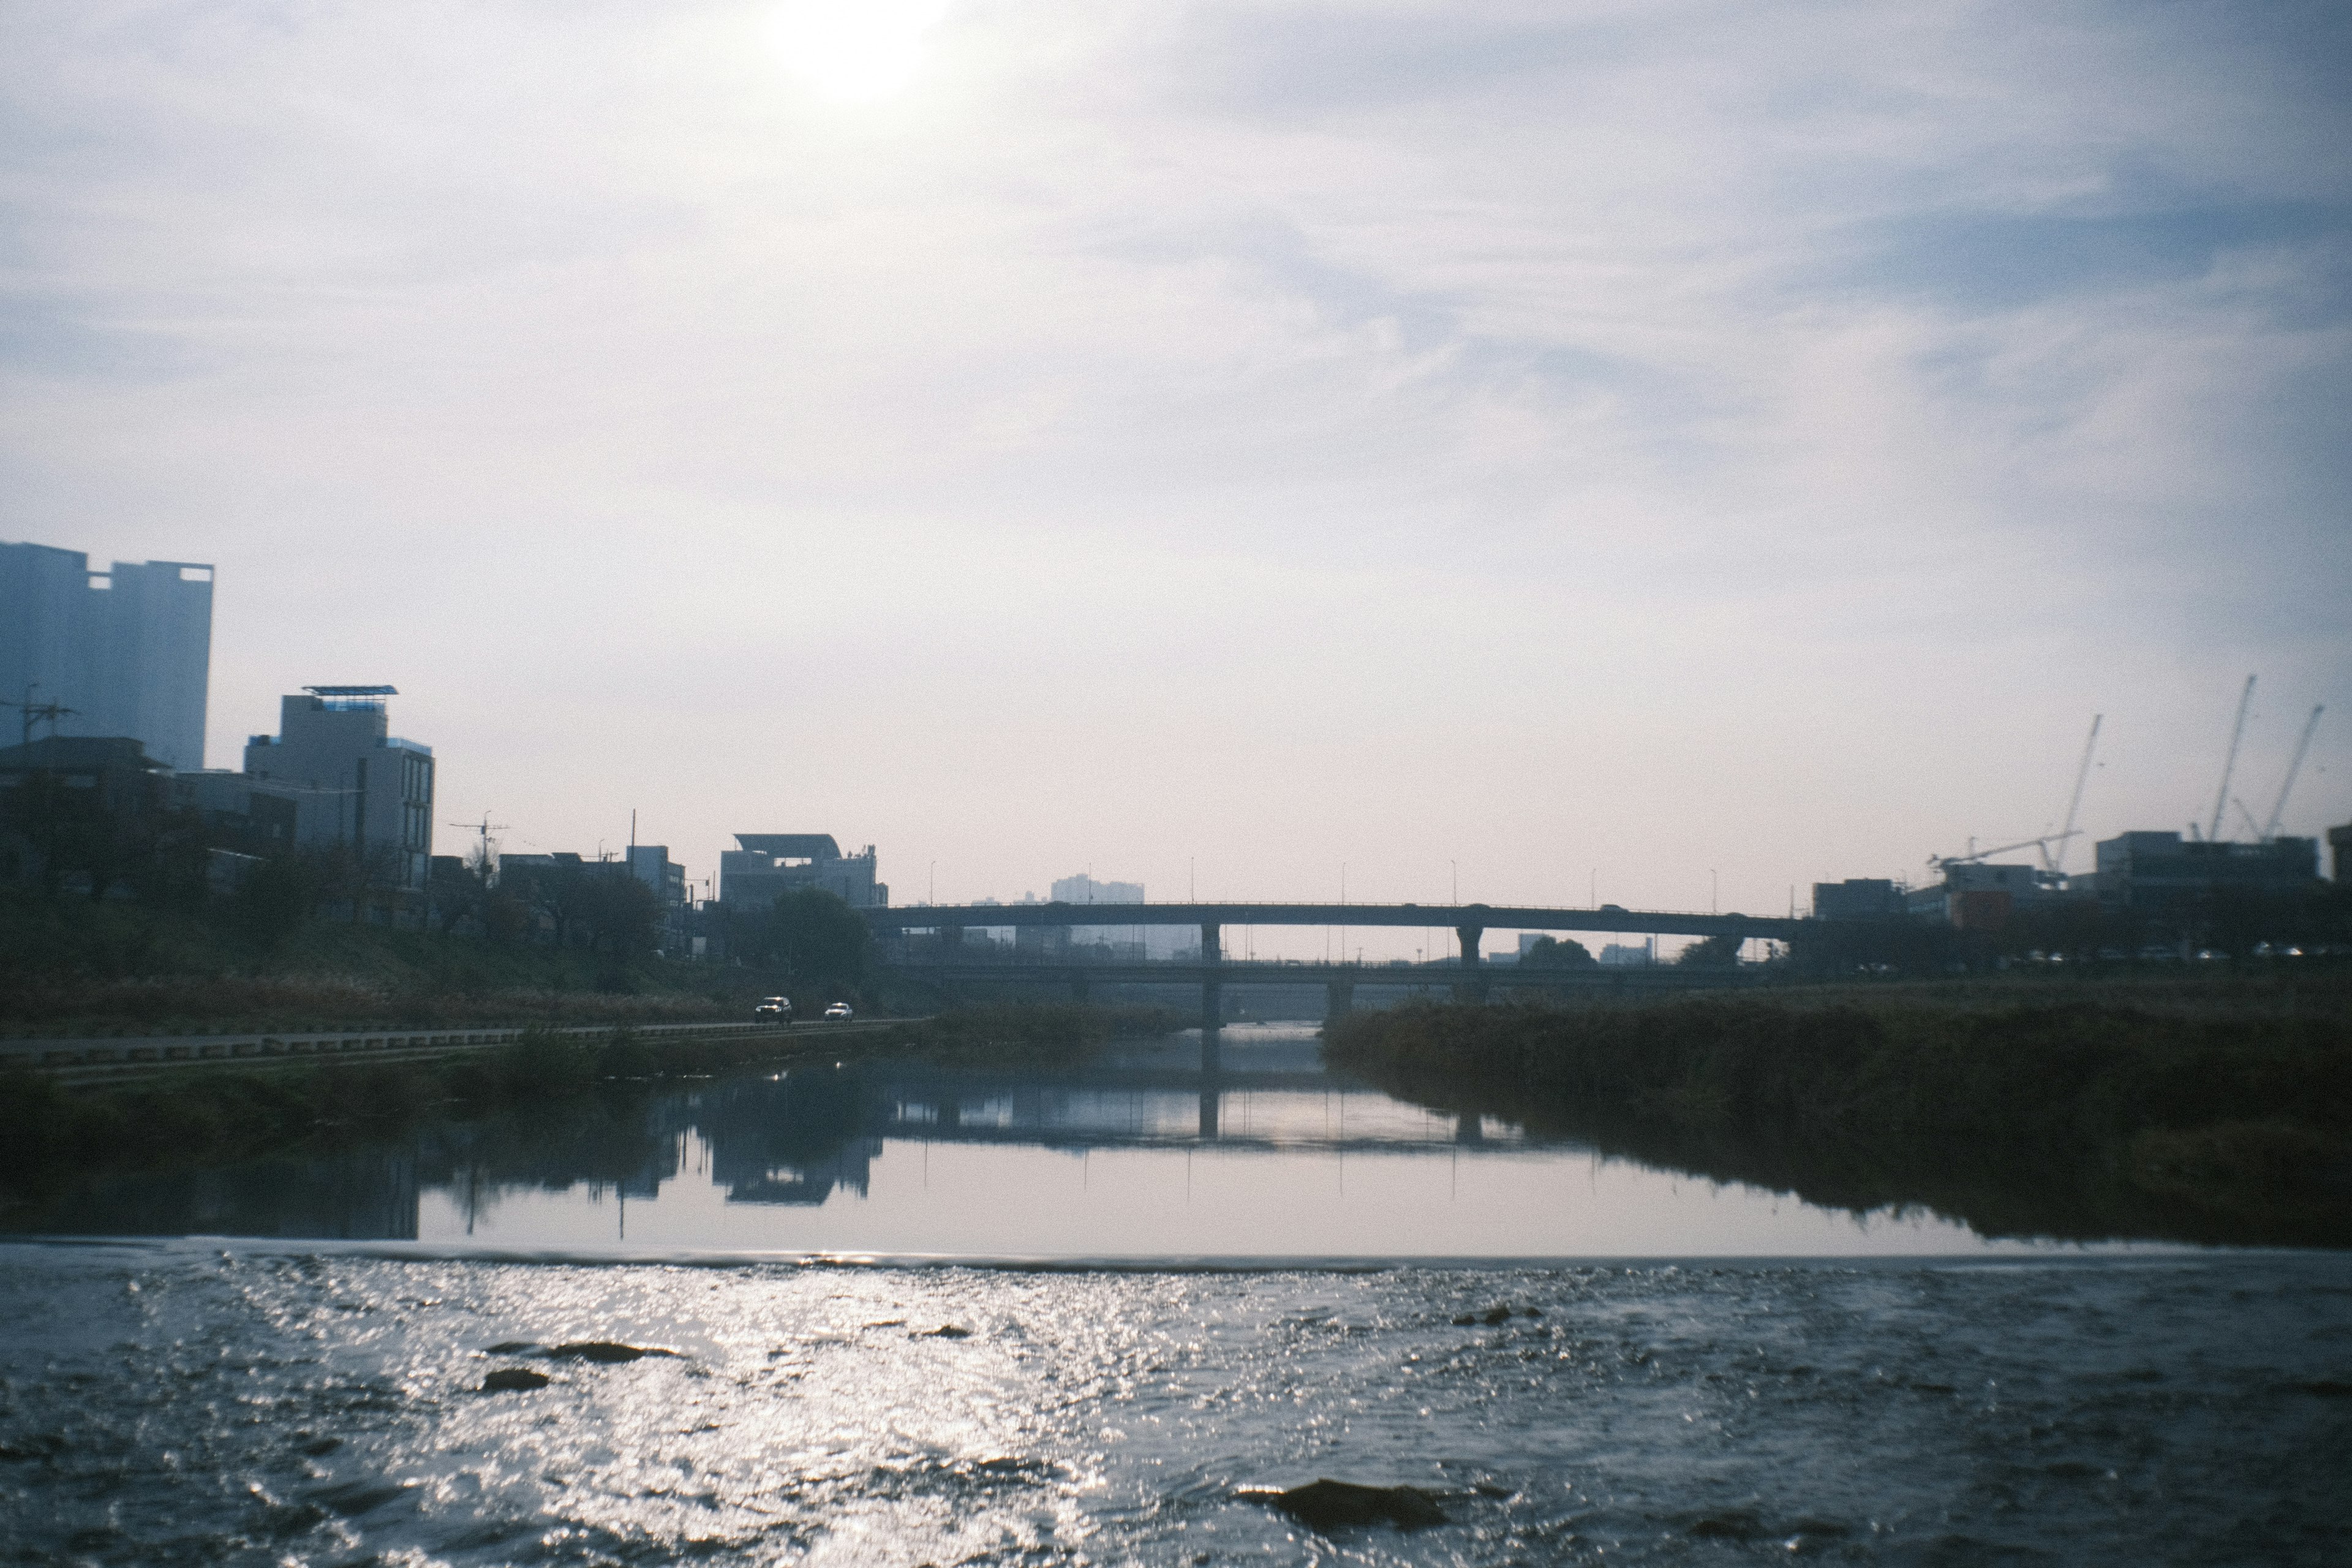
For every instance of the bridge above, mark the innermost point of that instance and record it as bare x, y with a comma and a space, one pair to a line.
1469, 977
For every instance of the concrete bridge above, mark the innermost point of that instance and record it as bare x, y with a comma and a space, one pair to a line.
1469, 977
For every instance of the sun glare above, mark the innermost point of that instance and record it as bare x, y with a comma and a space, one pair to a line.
854, 50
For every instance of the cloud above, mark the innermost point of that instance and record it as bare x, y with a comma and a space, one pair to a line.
1543, 406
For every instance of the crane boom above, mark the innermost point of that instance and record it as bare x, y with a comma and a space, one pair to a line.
2040, 843
2229, 763
2082, 777
2278, 812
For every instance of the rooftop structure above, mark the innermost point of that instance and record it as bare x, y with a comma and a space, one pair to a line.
770, 865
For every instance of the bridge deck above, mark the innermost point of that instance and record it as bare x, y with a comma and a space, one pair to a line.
1363, 976
1451, 917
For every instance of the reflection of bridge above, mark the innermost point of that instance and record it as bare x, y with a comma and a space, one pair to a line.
1468, 976
1143, 1097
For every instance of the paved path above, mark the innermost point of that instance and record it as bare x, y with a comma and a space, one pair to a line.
84, 1059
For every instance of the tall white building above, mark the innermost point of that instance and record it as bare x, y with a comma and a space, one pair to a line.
354, 782
128, 650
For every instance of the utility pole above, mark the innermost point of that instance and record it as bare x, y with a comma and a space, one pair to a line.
31, 711
485, 828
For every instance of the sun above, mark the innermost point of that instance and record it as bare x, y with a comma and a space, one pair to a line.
855, 51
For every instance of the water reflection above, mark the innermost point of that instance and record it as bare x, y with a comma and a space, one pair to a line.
1148, 1150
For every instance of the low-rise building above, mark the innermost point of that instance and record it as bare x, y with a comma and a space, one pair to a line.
1977, 896
356, 786
1858, 899
769, 865
2164, 870
241, 814
2340, 852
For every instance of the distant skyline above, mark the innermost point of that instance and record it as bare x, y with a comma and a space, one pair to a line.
1647, 449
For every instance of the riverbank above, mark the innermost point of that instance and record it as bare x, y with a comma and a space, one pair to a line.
71, 967
2205, 1121
52, 1134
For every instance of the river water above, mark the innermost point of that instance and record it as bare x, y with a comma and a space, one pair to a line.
923, 1316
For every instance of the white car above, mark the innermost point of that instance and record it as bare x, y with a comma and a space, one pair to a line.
839, 1010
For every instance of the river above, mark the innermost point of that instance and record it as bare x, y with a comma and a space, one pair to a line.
921, 1315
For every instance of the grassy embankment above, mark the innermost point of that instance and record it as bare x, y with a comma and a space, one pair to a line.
74, 967
2213, 1109
52, 1135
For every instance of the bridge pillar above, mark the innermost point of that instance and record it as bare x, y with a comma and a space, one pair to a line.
1341, 1000
1472, 987
1213, 998
951, 936
1208, 1113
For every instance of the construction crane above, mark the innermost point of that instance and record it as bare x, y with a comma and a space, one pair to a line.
2278, 812
2041, 843
2056, 865
2229, 763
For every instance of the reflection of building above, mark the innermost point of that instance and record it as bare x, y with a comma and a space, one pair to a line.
770, 865
790, 1139
354, 784
2160, 871
128, 650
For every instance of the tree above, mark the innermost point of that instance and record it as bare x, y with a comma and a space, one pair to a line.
817, 939
619, 914
278, 896
1712, 952
1556, 953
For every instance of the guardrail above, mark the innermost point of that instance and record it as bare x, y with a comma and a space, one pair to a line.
81, 1059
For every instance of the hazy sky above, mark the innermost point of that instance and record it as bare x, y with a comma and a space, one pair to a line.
1616, 440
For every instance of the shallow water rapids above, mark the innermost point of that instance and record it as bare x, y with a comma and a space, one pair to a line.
175, 1401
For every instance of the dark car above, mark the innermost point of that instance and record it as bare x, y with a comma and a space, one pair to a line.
773, 1010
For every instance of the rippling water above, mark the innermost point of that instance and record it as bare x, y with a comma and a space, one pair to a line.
176, 1403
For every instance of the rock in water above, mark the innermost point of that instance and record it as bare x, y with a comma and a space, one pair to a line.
513, 1380
1327, 1505
604, 1351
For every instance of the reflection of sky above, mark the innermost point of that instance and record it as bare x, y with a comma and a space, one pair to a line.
1021, 1200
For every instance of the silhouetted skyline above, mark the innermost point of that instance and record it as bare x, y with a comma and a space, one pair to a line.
1673, 455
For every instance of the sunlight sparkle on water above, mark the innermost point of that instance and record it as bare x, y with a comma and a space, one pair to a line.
854, 51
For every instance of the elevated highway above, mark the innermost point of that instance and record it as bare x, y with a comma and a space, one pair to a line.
1479, 918
1468, 976
1342, 981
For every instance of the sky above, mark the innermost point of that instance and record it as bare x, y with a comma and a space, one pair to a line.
1666, 454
